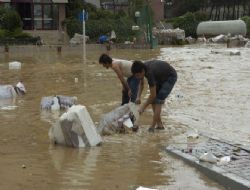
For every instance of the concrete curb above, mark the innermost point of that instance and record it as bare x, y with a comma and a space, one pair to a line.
226, 177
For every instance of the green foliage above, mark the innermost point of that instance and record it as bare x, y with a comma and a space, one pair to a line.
246, 19
73, 8
189, 22
186, 22
10, 19
122, 26
2, 33
73, 26
201, 16
100, 22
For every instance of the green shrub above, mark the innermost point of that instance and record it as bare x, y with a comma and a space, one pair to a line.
72, 26
10, 20
189, 22
2, 33
246, 19
201, 16
186, 22
123, 28
95, 28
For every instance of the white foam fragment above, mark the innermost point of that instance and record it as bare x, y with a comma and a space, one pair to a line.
15, 65
81, 124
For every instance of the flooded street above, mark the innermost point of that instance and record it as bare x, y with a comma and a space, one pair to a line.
213, 91
211, 96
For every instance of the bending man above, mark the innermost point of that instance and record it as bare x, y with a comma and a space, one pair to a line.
161, 78
132, 86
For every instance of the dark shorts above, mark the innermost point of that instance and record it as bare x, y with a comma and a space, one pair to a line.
164, 89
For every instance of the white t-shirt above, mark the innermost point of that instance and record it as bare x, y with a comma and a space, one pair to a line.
125, 66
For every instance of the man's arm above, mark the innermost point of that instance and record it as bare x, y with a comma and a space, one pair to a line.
141, 86
119, 74
149, 100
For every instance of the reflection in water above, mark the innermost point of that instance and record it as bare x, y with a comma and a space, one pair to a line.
76, 167
123, 161
8, 104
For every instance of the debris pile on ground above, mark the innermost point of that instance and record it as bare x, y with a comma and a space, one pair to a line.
167, 36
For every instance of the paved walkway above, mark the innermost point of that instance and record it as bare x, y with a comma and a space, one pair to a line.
232, 175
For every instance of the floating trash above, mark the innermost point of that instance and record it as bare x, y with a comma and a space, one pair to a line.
15, 65
144, 188
208, 157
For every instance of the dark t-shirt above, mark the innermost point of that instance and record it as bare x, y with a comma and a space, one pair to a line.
158, 72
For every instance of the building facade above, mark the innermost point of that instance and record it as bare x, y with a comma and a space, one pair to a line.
39, 14
158, 10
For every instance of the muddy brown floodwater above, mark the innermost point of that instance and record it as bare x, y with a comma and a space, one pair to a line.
211, 96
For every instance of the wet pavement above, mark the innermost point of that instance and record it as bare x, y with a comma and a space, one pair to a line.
231, 168
211, 88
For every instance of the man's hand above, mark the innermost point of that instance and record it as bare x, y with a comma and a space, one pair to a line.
129, 93
141, 110
137, 101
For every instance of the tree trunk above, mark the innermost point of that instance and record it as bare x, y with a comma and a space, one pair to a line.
224, 10
216, 12
234, 6
238, 10
211, 12
228, 12
218, 17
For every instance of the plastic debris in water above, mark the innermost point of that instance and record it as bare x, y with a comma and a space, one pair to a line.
208, 157
15, 65
144, 188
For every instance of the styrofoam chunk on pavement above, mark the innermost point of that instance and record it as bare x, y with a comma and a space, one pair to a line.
208, 157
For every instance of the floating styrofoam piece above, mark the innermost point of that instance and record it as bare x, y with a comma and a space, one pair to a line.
219, 39
110, 122
55, 105
144, 188
134, 108
7, 91
208, 157
234, 52
51, 102
15, 65
10, 91
247, 44
75, 128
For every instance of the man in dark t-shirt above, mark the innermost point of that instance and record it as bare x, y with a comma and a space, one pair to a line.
161, 78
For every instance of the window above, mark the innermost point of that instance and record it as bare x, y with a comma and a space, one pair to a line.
45, 15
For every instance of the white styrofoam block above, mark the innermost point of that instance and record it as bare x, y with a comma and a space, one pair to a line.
83, 124
15, 65
144, 188
7, 91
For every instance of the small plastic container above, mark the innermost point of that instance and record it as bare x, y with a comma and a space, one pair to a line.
15, 65
127, 121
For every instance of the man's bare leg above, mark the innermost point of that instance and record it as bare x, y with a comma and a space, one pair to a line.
156, 116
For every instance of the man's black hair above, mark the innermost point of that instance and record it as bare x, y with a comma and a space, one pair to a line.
138, 67
104, 59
